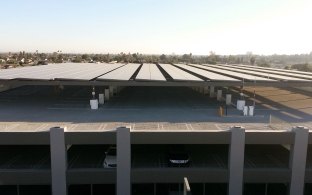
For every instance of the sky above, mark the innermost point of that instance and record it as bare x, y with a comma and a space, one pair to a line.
225, 27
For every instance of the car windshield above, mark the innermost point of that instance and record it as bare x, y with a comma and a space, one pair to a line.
112, 152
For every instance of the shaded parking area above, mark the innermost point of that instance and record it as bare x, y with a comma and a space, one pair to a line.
37, 108
25, 157
266, 156
309, 157
86, 156
156, 156
145, 156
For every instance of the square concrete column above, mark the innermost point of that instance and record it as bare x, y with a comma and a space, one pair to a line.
115, 91
205, 90
236, 160
111, 91
211, 91
219, 95
106, 94
123, 161
118, 89
58, 161
101, 98
228, 99
298, 157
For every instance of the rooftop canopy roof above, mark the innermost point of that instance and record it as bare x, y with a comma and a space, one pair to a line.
153, 75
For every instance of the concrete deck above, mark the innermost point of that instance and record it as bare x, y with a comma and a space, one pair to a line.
37, 108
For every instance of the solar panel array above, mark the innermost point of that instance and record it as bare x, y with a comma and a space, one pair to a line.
152, 72
206, 74
234, 74
274, 72
178, 74
252, 72
267, 68
70, 71
123, 73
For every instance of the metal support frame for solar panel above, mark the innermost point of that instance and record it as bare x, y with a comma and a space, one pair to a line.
150, 83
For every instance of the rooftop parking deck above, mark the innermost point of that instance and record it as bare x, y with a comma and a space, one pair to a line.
37, 108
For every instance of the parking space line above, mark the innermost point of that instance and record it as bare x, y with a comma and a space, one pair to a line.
42, 127
219, 128
189, 126
56, 108
102, 126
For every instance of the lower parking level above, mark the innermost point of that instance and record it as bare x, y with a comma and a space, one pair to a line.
154, 189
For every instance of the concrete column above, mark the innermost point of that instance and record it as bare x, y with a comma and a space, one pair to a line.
115, 91
111, 91
123, 161
58, 160
236, 160
101, 98
228, 99
219, 95
211, 91
298, 157
106, 94
205, 90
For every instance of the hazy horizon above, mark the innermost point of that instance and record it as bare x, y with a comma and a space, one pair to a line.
157, 27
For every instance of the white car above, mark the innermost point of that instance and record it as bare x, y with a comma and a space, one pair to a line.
110, 158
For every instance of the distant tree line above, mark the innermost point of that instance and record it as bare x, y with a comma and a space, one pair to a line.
299, 62
301, 67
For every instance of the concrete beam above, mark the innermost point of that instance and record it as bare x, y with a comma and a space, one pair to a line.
236, 160
123, 161
298, 157
156, 83
58, 161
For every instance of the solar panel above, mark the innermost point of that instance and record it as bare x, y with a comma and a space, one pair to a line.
19, 72
150, 72
232, 73
65, 71
275, 71
123, 73
255, 72
207, 74
178, 74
